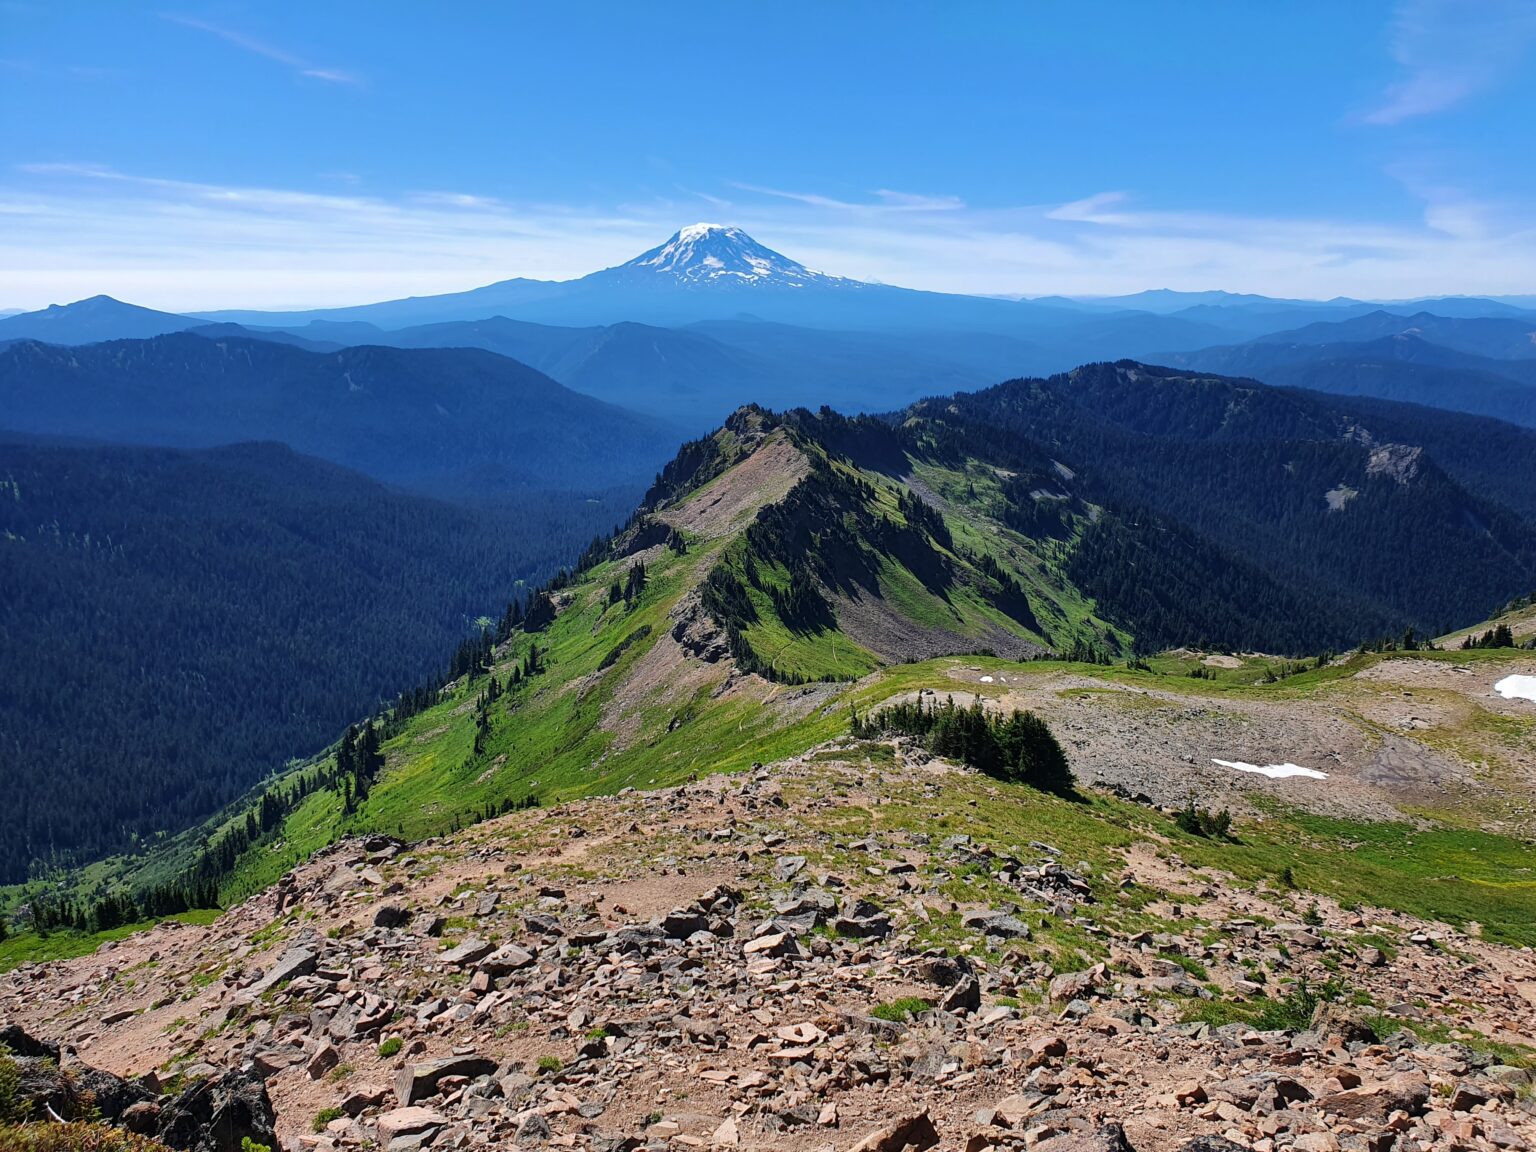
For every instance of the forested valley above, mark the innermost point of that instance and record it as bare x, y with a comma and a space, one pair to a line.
178, 624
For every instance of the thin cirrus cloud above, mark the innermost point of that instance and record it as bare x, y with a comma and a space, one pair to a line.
73, 230
1093, 209
885, 200
1449, 51
261, 48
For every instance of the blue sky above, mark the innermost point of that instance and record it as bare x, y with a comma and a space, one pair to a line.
193, 154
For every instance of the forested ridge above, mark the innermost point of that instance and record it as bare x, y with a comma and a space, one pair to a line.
450, 422
178, 624
1245, 516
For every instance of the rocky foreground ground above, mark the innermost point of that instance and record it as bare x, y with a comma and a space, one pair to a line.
817, 955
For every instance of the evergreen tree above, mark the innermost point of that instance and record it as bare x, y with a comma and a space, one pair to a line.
1019, 748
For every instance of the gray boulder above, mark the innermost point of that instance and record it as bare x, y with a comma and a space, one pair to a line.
418, 1081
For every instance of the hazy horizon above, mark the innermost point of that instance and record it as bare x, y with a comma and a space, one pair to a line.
233, 156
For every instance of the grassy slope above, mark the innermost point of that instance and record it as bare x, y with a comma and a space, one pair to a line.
30, 948
1457, 874
549, 737
1062, 610
1521, 619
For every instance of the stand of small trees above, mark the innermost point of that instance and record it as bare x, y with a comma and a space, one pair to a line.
490, 811
492, 693
474, 656
358, 764
119, 908
1204, 822
1410, 641
1499, 636
630, 588
1019, 748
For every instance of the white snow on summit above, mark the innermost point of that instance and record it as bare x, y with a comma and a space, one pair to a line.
720, 254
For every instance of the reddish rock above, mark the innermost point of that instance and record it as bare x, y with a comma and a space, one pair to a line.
1406, 1093
408, 1122
915, 1132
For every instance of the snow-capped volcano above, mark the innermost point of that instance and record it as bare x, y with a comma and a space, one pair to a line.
717, 254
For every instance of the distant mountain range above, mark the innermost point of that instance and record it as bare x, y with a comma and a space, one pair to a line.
694, 374
1485, 364
456, 422
711, 319
1501, 337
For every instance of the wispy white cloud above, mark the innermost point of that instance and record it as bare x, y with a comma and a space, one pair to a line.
708, 198
1449, 51
815, 200
1092, 209
916, 202
261, 48
885, 200
457, 200
1448, 207
72, 230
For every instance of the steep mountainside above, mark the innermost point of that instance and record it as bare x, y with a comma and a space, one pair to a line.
1107, 513
445, 421
527, 903
177, 624
790, 568
1303, 493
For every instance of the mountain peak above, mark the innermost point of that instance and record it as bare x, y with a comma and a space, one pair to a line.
98, 303
89, 320
723, 254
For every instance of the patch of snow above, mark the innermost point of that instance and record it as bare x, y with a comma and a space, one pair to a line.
1517, 688
1273, 771
699, 231
986, 679
716, 253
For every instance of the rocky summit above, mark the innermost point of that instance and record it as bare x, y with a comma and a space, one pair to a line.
860, 948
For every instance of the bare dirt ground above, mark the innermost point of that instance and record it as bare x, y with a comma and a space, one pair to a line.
698, 967
1402, 737
723, 506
